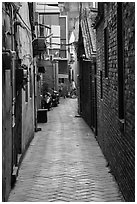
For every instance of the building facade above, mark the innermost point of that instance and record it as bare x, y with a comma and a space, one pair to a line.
106, 56
115, 33
53, 27
86, 49
47, 29
63, 61
17, 90
72, 10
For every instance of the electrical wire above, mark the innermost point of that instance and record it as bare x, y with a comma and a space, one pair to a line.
43, 25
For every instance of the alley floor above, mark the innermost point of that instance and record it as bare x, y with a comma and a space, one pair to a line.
64, 163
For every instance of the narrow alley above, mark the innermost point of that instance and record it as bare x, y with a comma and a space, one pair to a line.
74, 61
64, 162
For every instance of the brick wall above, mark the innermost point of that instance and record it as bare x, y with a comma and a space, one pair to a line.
129, 63
116, 136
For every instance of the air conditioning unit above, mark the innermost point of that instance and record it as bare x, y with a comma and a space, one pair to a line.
39, 46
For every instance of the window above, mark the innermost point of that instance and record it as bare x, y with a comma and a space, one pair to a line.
106, 51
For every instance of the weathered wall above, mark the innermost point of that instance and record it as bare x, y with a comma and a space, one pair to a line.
18, 125
6, 112
129, 64
6, 135
26, 56
27, 124
115, 136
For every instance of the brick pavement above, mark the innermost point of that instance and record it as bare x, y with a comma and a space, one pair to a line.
64, 163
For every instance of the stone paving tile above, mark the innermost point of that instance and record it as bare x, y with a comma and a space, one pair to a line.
64, 163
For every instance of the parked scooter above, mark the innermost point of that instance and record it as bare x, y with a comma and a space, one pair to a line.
55, 98
46, 102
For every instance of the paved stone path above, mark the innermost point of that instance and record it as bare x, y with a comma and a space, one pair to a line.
64, 163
